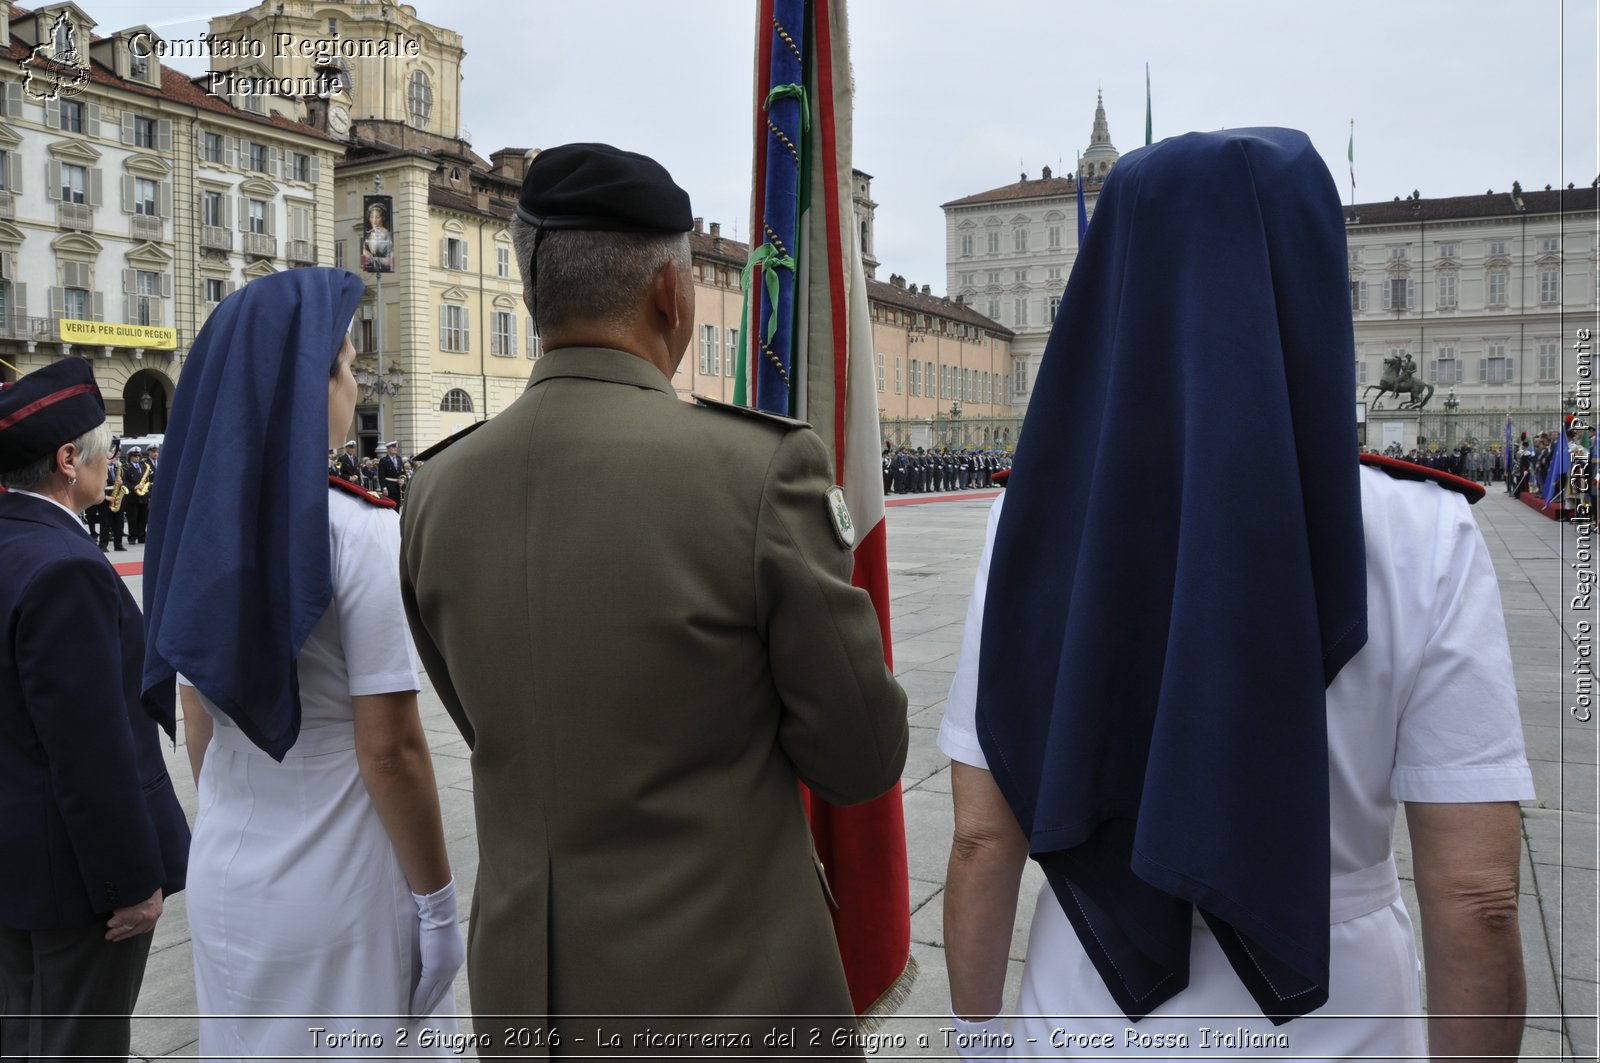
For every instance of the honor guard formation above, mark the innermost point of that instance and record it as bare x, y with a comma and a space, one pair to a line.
919, 471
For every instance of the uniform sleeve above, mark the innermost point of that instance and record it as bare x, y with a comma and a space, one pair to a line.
366, 590
958, 734
844, 722
1460, 738
412, 549
69, 615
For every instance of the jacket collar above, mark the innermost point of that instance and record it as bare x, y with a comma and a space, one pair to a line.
14, 506
600, 363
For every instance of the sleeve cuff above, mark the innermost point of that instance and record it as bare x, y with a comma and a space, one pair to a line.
1501, 782
385, 683
961, 746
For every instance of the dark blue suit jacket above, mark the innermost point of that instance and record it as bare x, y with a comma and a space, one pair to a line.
88, 818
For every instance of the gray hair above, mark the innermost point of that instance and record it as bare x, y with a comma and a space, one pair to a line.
34, 475
591, 276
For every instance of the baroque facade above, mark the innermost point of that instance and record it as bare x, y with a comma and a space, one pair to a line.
186, 187
1483, 294
131, 202
1009, 251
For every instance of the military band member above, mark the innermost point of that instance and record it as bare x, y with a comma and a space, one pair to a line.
112, 510
138, 477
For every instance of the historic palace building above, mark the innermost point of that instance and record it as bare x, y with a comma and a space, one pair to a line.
131, 202
1483, 295
1009, 251
115, 169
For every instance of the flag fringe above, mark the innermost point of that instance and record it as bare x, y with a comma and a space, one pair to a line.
893, 998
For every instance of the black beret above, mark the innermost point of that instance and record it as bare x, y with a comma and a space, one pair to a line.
45, 409
603, 189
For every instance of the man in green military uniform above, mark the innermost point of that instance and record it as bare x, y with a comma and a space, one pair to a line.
646, 660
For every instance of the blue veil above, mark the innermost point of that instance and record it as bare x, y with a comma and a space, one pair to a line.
1179, 571
237, 570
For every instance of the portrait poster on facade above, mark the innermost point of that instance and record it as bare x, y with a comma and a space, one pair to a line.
377, 238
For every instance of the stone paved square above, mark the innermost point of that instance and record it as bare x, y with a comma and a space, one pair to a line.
933, 552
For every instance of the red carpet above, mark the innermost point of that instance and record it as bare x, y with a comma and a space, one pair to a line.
922, 500
129, 568
1532, 500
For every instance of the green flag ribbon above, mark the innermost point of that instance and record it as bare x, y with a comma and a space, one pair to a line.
797, 92
767, 257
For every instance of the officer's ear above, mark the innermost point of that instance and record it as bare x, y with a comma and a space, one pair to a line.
666, 296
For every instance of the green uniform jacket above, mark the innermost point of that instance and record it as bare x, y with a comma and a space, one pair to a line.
639, 615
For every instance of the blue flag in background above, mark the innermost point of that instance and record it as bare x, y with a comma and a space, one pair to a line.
1083, 213
1560, 465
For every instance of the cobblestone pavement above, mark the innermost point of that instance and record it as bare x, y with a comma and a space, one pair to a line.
933, 553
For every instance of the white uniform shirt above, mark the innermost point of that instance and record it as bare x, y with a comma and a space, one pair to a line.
362, 645
1426, 711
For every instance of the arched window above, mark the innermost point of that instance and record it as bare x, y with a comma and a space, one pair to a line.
456, 401
337, 77
419, 97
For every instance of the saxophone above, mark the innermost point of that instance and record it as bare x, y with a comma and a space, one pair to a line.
118, 491
142, 488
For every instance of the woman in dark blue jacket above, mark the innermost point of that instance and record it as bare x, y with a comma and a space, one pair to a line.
92, 832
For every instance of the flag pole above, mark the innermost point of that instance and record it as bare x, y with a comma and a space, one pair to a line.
1147, 126
1352, 155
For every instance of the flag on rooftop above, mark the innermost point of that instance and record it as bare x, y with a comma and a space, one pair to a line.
1083, 211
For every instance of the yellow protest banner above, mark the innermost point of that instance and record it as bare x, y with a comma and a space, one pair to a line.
115, 334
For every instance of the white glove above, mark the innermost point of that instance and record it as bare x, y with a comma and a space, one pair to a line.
440, 948
982, 1040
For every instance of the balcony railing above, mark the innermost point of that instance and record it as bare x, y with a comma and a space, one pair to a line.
148, 227
216, 237
8, 205
303, 252
261, 245
22, 327
75, 216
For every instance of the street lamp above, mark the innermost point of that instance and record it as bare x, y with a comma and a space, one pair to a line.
378, 383
1451, 405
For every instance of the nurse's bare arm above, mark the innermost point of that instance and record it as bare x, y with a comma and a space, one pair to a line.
987, 855
392, 752
197, 728
1466, 858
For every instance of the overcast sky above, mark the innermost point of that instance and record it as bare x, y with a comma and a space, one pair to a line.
1449, 97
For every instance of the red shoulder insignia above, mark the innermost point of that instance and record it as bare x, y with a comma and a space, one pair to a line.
1407, 470
361, 492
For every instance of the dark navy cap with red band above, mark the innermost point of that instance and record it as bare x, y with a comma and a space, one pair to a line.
45, 409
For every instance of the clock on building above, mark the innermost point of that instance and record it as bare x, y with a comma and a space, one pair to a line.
339, 120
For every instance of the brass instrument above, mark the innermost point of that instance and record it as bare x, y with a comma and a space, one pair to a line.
142, 488
119, 491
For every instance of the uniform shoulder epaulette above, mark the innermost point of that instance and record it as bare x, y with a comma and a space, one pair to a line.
448, 441
787, 423
362, 493
1407, 470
